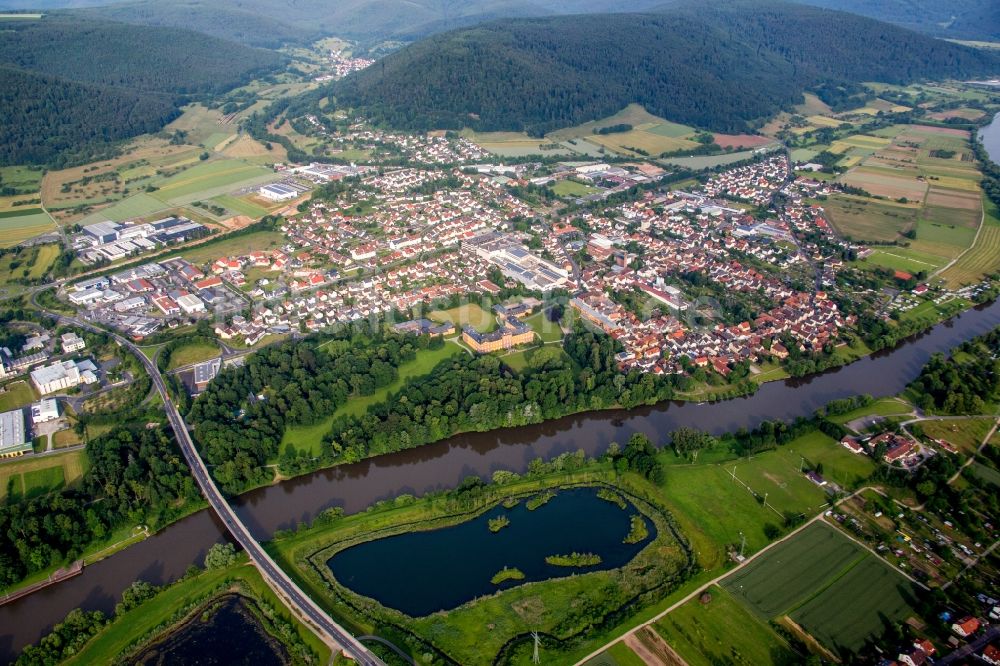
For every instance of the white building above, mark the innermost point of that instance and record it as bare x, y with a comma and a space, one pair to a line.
12, 435
64, 375
44, 411
278, 192
72, 342
191, 304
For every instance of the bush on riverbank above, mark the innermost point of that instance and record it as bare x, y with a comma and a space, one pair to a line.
574, 559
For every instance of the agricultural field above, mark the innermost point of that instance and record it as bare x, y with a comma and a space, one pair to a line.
21, 224
513, 144
31, 476
831, 587
983, 257
211, 179
705, 632
470, 313
650, 134
927, 184
134, 206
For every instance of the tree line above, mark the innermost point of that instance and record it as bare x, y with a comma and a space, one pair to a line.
136, 476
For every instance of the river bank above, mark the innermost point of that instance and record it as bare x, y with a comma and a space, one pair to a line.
440, 598
166, 555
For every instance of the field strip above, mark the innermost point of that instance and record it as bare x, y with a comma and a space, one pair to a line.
726, 574
979, 230
915, 261
829, 582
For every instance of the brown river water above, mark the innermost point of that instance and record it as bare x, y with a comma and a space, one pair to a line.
166, 555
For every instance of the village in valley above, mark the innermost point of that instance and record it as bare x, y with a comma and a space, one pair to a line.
825, 237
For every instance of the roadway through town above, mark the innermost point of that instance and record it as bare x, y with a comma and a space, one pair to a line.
280, 582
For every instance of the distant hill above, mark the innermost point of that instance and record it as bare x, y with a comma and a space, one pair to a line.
270, 22
955, 19
719, 65
48, 120
70, 86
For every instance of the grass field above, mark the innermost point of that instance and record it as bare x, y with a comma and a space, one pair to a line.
137, 205
36, 475
192, 353
571, 188
241, 206
547, 330
17, 394
22, 224
470, 313
965, 434
722, 631
46, 255
115, 639
984, 256
866, 219
207, 177
829, 585
713, 509
237, 246
310, 438
906, 259
22, 177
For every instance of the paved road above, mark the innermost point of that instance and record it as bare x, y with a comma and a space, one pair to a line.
297, 600
975, 646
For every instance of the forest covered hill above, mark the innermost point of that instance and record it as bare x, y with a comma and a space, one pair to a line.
721, 66
271, 22
953, 19
68, 86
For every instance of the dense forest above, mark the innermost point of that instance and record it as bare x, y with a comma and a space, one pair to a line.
964, 382
955, 19
719, 66
48, 120
273, 22
136, 476
239, 424
239, 421
71, 87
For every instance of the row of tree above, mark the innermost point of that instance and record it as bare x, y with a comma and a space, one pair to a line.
135, 476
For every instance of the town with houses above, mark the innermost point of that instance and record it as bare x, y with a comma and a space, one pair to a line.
422, 235
714, 281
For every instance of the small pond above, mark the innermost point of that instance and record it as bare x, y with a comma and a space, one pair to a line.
231, 635
419, 573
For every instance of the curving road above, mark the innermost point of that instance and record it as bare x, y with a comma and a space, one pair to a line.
283, 586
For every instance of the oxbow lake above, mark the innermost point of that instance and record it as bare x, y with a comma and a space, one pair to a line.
419, 573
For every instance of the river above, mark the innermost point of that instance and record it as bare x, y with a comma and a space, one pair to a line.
166, 555
990, 136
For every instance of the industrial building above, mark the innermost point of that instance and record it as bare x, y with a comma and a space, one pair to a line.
13, 439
